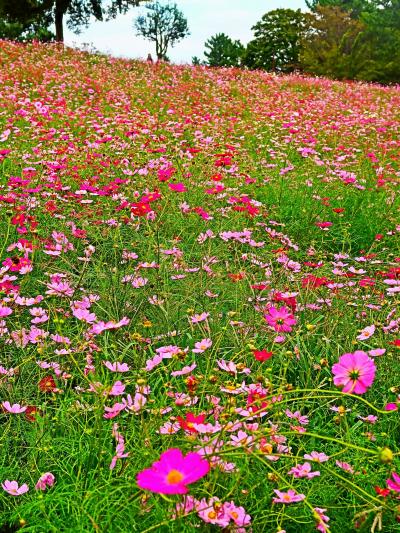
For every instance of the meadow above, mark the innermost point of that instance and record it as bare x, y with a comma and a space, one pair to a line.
199, 288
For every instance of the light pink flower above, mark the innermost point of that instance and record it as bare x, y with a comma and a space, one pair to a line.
16, 408
316, 457
117, 389
237, 514
196, 319
116, 367
345, 466
173, 472
290, 496
366, 333
376, 352
169, 428
303, 470
12, 488
213, 512
202, 346
322, 519
5, 311
355, 372
185, 370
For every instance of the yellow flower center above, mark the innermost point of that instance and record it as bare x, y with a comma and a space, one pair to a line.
212, 515
174, 477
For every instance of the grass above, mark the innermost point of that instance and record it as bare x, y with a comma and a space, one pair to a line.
85, 139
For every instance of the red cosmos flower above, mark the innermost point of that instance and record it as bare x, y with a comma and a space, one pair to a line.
314, 282
382, 492
323, 225
256, 402
224, 161
262, 355
30, 413
290, 301
366, 282
260, 286
47, 384
190, 419
191, 383
236, 277
396, 343
338, 209
140, 209
16, 263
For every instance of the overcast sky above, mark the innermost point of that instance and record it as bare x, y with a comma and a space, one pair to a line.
205, 18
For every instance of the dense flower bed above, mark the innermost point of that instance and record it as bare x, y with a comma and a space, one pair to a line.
199, 286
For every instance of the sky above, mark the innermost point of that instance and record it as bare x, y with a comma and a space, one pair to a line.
205, 18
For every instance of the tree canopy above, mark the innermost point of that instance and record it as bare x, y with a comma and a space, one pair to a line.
165, 25
276, 45
222, 51
28, 14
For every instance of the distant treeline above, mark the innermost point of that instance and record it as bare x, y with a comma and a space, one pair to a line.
343, 39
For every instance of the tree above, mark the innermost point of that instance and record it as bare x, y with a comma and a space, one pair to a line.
223, 51
276, 45
163, 24
78, 12
30, 26
354, 7
331, 44
381, 42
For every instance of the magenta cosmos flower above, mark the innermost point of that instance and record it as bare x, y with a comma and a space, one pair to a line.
46, 480
280, 319
355, 372
173, 472
395, 483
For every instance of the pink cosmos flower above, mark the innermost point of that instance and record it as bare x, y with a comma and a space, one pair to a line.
280, 319
237, 514
355, 372
46, 480
84, 314
173, 472
303, 470
376, 352
366, 333
202, 346
290, 496
394, 485
12, 488
117, 389
322, 519
5, 311
195, 319
345, 466
16, 408
213, 512
169, 428
185, 370
316, 457
116, 367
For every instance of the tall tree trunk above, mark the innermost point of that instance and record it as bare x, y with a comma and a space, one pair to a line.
59, 14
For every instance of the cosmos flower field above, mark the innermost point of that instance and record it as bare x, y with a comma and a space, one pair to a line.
199, 288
